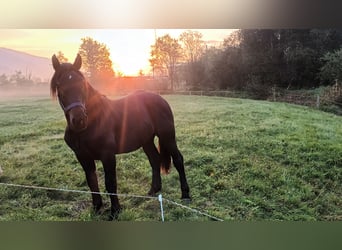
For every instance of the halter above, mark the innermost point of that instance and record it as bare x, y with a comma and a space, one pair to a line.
71, 106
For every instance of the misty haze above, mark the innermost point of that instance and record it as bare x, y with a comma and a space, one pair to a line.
22, 74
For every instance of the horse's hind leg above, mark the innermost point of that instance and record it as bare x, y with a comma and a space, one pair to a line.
154, 159
178, 162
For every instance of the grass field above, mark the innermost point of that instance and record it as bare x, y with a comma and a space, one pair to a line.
245, 160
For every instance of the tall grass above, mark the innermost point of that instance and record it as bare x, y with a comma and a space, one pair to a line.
244, 159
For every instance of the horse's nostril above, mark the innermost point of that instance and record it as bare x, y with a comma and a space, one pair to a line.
78, 122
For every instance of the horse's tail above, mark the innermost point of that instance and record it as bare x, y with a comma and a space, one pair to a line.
165, 159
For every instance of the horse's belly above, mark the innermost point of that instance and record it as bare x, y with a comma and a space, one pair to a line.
127, 149
133, 139
129, 144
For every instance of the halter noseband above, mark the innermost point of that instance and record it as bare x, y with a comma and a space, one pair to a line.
71, 106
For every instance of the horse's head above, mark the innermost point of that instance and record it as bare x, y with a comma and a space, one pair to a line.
70, 87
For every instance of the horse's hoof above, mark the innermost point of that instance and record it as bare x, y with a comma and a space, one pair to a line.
112, 217
186, 200
152, 192
114, 213
98, 209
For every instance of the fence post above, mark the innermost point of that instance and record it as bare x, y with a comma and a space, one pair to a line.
160, 199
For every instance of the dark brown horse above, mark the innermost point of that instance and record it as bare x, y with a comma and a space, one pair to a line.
98, 128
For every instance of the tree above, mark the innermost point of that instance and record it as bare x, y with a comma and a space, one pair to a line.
229, 69
261, 57
61, 58
96, 61
193, 45
192, 48
331, 71
4, 80
283, 58
141, 72
209, 60
233, 40
17, 78
165, 55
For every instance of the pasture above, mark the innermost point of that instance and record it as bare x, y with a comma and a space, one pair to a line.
244, 160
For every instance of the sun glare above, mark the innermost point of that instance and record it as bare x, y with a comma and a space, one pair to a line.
132, 67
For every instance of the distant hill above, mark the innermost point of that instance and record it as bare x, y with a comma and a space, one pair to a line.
12, 61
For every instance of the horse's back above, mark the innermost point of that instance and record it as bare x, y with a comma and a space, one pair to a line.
152, 103
156, 107
140, 116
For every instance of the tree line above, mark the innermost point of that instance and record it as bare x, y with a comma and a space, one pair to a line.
253, 60
18, 79
256, 60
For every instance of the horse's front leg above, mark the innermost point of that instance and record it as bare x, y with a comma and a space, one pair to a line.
89, 168
109, 166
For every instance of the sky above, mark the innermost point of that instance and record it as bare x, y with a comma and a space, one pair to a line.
129, 48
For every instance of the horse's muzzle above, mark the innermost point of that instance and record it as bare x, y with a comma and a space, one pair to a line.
78, 119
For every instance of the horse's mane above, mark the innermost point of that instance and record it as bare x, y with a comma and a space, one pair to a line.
92, 92
53, 86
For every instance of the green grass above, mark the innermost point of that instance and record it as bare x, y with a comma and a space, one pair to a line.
245, 160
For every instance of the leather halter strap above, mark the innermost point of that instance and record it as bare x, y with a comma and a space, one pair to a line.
71, 106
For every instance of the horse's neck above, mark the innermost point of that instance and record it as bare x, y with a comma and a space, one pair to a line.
96, 101
92, 92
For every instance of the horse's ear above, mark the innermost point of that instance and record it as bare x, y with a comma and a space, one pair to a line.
78, 62
55, 63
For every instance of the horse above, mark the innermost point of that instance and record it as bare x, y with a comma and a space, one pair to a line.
98, 128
